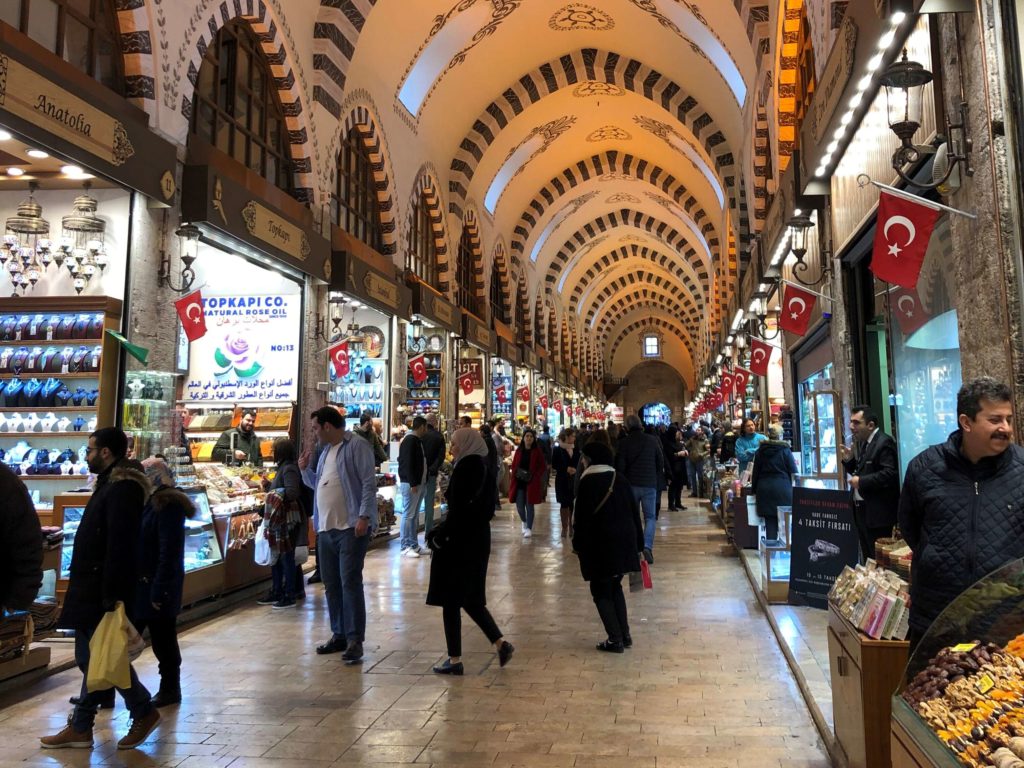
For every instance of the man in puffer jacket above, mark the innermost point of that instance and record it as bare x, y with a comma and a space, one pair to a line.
962, 506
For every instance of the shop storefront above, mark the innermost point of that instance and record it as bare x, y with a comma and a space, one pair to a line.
429, 354
366, 306
526, 387
475, 350
503, 382
254, 250
542, 393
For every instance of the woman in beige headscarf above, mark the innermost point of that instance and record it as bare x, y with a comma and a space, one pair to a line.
461, 547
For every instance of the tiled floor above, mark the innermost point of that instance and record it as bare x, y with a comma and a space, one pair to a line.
705, 685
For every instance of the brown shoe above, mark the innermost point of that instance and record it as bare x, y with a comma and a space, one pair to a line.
69, 738
140, 729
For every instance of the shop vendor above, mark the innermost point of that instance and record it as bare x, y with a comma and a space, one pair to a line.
239, 445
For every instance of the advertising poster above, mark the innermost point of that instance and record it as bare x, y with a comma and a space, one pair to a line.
250, 350
824, 540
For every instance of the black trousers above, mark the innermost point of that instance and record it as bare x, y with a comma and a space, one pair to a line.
163, 635
452, 615
675, 488
868, 536
611, 606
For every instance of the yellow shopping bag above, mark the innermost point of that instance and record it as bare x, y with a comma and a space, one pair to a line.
108, 652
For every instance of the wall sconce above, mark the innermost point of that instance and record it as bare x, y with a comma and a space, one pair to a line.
904, 83
800, 227
188, 242
417, 328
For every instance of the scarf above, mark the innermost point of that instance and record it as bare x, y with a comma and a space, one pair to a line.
468, 442
595, 469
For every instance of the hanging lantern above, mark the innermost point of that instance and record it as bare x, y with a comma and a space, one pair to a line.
21, 239
82, 241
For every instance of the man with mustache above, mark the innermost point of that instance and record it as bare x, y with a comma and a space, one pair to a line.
962, 506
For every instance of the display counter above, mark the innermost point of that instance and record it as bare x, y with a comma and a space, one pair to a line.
775, 558
962, 697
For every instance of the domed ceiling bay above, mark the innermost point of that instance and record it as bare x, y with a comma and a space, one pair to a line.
596, 147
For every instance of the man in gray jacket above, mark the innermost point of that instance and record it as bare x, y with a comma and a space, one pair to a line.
345, 507
639, 458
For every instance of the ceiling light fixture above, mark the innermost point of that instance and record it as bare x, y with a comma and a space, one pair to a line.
37, 153
15, 171
71, 170
5, 136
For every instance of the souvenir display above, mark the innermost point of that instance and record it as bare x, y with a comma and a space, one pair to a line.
503, 391
149, 416
874, 600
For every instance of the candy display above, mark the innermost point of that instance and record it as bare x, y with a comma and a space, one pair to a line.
874, 600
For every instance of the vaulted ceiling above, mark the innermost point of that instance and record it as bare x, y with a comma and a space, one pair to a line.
601, 145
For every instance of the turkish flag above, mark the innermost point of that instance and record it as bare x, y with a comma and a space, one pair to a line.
466, 382
543, 401
901, 239
760, 354
190, 312
557, 406
501, 395
524, 393
568, 411
716, 400
418, 368
728, 383
339, 357
795, 313
906, 305
741, 377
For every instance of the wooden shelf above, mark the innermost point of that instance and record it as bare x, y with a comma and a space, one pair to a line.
50, 343
84, 433
54, 477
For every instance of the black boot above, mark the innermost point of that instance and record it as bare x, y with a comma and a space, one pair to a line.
169, 693
106, 701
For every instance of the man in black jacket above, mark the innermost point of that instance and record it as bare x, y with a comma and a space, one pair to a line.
104, 571
962, 506
639, 458
434, 448
412, 477
873, 467
21, 544
246, 445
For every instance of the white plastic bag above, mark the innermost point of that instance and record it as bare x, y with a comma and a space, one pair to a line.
301, 555
262, 553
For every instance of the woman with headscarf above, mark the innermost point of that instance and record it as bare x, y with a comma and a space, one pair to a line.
607, 537
161, 560
529, 479
461, 547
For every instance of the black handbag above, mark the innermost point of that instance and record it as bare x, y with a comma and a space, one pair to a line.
438, 536
523, 475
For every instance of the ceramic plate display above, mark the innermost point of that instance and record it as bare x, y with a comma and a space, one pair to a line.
435, 343
373, 340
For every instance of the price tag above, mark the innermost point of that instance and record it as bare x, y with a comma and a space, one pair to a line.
964, 647
985, 684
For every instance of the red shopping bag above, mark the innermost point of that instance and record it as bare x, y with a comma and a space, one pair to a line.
645, 574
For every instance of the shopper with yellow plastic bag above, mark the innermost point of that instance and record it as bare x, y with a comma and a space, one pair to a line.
103, 580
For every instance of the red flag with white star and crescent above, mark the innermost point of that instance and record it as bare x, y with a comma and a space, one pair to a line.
760, 354
796, 308
901, 239
906, 305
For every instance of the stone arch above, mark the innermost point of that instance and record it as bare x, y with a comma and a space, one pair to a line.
335, 36
426, 188
648, 282
650, 304
267, 30
601, 165
471, 226
592, 73
500, 272
666, 324
522, 296
625, 217
137, 53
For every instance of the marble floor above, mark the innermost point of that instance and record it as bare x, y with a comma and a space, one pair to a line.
705, 685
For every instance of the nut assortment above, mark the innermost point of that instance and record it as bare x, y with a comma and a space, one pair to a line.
972, 696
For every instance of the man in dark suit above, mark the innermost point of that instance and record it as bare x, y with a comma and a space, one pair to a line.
873, 467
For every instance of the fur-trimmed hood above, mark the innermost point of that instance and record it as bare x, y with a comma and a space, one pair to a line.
122, 472
164, 497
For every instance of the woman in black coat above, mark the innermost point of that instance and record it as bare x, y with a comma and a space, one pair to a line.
162, 575
286, 576
608, 538
772, 479
461, 548
675, 452
565, 460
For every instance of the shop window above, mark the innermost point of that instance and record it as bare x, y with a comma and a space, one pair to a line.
465, 296
421, 255
499, 308
925, 349
237, 108
82, 32
652, 346
355, 207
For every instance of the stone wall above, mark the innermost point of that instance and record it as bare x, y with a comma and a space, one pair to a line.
652, 382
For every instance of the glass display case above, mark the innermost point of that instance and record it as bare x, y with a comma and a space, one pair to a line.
201, 546
820, 432
775, 558
72, 516
149, 416
502, 390
962, 696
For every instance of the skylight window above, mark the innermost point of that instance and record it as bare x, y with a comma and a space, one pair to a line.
512, 165
652, 346
712, 47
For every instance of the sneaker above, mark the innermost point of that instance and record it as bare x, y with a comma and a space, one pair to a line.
139, 730
68, 738
268, 599
527, 533
411, 552
284, 603
525, 529
353, 653
648, 556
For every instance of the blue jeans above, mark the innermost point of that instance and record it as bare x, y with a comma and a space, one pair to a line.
696, 472
429, 491
341, 555
524, 508
410, 514
136, 698
282, 573
646, 496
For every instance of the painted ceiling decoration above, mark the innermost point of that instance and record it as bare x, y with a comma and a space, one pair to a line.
580, 16
659, 284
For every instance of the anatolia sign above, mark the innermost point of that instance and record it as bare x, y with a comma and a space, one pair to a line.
34, 98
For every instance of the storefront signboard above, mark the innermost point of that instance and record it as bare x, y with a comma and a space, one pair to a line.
250, 351
434, 307
530, 359
58, 106
477, 333
474, 370
832, 84
823, 542
354, 275
508, 351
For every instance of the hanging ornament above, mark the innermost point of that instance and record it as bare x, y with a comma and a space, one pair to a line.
82, 241
21, 239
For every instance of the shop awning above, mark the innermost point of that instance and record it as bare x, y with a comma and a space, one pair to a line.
361, 272
73, 115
